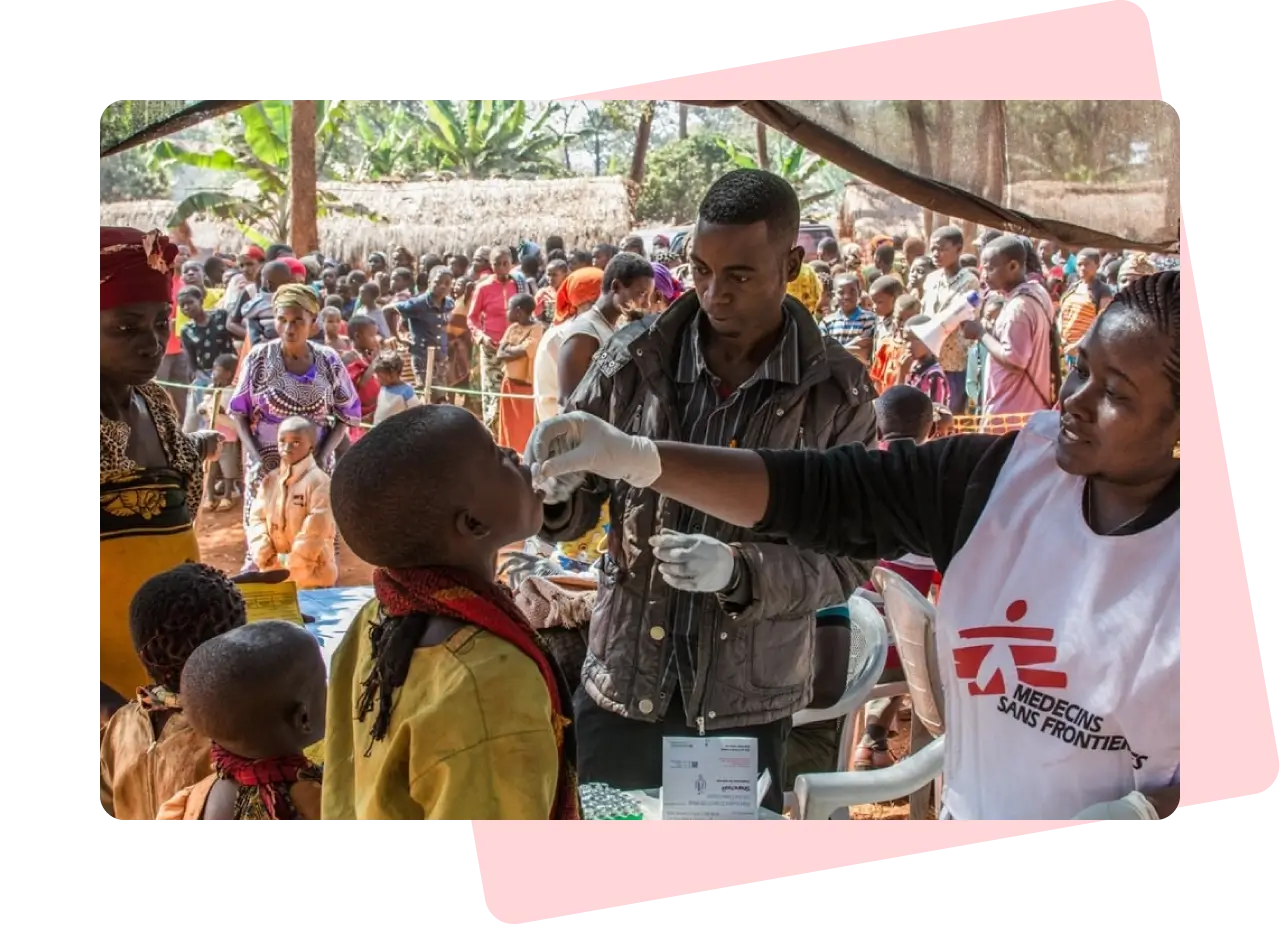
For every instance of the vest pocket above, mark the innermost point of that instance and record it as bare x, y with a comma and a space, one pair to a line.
781, 653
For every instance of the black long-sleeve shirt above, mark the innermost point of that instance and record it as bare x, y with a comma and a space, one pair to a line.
881, 504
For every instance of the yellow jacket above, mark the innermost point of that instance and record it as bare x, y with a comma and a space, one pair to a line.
470, 735
291, 525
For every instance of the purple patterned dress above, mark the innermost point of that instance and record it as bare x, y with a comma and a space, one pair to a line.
267, 393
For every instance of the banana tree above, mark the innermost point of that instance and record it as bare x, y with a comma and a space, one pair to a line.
795, 165
388, 151
489, 138
257, 151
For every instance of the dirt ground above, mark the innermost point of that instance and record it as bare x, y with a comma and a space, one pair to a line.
221, 538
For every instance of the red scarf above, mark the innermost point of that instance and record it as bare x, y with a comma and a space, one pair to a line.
271, 777
491, 608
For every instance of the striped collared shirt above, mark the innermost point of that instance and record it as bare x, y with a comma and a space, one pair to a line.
845, 329
709, 420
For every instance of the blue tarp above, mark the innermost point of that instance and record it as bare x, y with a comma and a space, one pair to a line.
333, 609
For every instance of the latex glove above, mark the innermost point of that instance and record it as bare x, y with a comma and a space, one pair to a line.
1133, 806
580, 442
693, 562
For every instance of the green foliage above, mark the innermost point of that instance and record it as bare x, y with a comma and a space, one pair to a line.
256, 150
792, 162
489, 138
676, 177
123, 118
129, 175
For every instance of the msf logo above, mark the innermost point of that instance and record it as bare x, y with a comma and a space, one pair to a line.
1001, 653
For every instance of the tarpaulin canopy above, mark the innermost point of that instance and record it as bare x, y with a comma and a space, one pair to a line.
1101, 173
1083, 172
128, 123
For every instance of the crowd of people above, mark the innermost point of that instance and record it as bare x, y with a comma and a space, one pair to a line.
730, 437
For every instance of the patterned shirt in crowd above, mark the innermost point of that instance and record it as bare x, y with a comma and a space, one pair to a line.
1079, 308
927, 376
941, 293
206, 342
710, 417
845, 329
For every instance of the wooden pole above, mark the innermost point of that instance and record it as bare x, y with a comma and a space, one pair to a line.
304, 236
431, 374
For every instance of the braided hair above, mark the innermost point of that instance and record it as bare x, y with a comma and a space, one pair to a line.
1155, 298
175, 611
392, 642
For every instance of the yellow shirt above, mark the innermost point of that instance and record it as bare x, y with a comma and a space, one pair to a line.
470, 735
806, 288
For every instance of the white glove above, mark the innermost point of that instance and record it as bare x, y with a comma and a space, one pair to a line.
581, 442
1132, 806
693, 562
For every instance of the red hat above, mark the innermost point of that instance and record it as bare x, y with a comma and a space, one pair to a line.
254, 252
295, 267
135, 267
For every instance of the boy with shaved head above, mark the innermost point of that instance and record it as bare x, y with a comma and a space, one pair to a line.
258, 694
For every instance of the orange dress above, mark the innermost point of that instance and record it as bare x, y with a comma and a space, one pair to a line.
189, 802
515, 410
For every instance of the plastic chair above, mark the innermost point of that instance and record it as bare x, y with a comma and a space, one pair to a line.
819, 796
912, 618
868, 649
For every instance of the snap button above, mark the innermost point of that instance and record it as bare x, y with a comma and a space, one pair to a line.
724, 635
657, 632
778, 413
711, 714
646, 707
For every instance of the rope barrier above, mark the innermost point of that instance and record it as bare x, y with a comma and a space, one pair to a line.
963, 423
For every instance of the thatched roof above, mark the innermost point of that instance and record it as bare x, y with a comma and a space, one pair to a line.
435, 216
1122, 209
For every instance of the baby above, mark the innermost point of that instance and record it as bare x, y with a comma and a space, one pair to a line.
290, 522
396, 395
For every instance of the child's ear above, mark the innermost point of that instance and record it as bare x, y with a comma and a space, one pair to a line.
470, 526
300, 718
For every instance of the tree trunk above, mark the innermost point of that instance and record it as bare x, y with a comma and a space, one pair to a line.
684, 122
304, 236
946, 122
995, 152
643, 130
762, 145
924, 158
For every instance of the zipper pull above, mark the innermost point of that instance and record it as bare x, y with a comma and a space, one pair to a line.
702, 726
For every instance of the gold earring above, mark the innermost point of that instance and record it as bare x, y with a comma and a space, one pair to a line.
1177, 449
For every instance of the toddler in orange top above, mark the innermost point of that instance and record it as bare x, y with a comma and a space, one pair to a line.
257, 694
149, 750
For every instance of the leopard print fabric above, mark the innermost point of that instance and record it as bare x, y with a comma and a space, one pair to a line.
182, 449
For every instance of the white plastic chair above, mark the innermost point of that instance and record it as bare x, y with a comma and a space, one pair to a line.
818, 796
868, 649
913, 618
